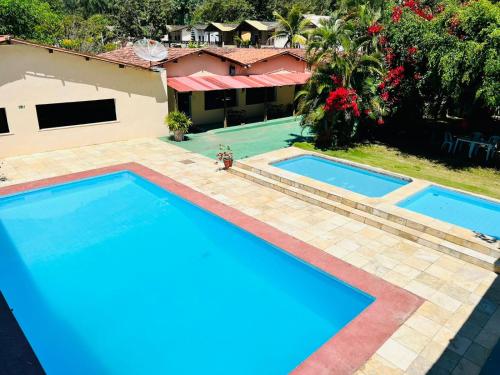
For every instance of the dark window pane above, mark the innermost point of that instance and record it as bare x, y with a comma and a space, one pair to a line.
215, 99
4, 126
257, 96
75, 113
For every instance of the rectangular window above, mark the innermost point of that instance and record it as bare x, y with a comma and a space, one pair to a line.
75, 113
257, 96
4, 126
215, 99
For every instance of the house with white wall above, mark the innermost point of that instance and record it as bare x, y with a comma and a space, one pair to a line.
52, 98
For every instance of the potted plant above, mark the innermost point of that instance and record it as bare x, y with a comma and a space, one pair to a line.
178, 123
225, 155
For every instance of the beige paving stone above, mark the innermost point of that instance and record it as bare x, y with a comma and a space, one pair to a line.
397, 354
456, 292
411, 338
378, 365
419, 366
432, 351
396, 278
406, 270
439, 272
430, 280
434, 312
423, 325
420, 289
417, 263
348, 244
445, 301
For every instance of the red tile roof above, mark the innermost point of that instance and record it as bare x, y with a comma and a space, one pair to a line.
217, 82
242, 56
138, 64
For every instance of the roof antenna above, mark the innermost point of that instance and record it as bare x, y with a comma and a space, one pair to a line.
150, 50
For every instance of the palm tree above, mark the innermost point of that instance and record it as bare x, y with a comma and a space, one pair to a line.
341, 48
294, 27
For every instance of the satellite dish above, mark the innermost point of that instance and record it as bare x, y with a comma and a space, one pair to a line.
150, 50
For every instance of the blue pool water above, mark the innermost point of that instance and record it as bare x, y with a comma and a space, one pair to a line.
465, 210
115, 275
362, 181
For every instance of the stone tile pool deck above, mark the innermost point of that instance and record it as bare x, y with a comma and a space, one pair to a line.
453, 331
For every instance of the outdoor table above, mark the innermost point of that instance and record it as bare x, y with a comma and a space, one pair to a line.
472, 144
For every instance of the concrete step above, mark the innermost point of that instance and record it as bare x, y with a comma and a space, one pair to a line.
466, 254
481, 247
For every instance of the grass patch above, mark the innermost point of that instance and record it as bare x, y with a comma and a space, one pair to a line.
475, 179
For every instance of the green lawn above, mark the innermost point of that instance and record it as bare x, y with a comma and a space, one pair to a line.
475, 179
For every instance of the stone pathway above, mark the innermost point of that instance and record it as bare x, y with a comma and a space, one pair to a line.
452, 332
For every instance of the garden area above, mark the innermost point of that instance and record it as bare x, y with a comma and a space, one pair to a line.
411, 86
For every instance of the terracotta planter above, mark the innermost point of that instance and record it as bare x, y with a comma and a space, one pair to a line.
179, 135
228, 163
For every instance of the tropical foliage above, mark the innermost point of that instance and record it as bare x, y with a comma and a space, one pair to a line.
344, 91
294, 27
223, 11
77, 24
401, 61
450, 49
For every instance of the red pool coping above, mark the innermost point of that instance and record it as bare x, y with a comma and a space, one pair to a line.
350, 348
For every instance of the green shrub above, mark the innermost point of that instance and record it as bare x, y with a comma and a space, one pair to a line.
176, 121
457, 63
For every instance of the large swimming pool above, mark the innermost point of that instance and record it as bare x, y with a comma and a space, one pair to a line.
457, 208
358, 180
115, 275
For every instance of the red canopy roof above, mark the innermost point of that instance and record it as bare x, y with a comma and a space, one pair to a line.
216, 82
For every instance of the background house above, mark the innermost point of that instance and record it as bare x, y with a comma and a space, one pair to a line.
225, 31
258, 33
230, 85
52, 98
183, 34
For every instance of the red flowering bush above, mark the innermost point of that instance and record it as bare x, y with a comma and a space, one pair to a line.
449, 51
342, 99
416, 7
374, 29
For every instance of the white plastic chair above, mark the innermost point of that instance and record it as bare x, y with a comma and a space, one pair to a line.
492, 146
448, 141
476, 136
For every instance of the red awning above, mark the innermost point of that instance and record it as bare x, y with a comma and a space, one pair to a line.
216, 82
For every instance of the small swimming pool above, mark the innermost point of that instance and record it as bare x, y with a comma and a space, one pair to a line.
358, 180
468, 211
116, 275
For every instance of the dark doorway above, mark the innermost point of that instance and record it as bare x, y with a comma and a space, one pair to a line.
184, 104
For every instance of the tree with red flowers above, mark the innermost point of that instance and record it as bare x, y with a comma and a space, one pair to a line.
342, 95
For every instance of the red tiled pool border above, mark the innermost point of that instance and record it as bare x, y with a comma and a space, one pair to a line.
350, 348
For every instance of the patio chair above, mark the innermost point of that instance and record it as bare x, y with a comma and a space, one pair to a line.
492, 146
473, 149
448, 141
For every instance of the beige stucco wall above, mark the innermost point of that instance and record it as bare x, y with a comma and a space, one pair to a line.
203, 64
197, 64
284, 95
274, 64
31, 75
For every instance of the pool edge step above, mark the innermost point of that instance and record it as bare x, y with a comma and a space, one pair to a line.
466, 254
377, 211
